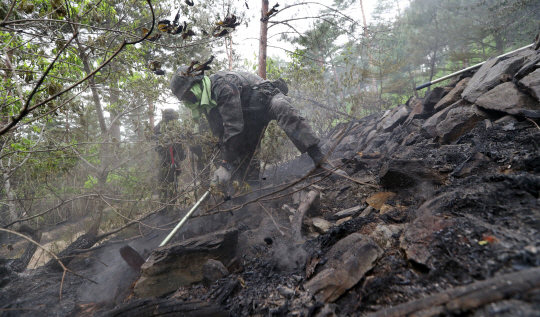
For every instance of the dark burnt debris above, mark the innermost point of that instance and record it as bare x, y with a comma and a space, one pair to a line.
457, 205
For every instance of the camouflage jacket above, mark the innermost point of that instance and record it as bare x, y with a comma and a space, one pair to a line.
232, 92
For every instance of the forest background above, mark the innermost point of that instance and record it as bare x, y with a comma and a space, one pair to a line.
82, 86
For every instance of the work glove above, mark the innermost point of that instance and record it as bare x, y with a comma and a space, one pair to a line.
221, 176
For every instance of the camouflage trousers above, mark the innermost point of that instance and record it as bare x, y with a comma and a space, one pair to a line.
256, 118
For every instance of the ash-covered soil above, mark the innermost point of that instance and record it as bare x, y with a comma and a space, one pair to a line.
428, 208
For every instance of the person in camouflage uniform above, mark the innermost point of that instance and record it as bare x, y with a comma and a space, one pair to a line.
170, 153
238, 107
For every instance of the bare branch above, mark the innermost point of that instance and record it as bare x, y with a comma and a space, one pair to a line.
48, 210
9, 12
52, 255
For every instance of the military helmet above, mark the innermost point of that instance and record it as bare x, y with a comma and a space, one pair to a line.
169, 114
181, 81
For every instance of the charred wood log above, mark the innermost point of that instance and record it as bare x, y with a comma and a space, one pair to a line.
166, 307
301, 212
465, 298
21, 263
85, 241
180, 264
225, 292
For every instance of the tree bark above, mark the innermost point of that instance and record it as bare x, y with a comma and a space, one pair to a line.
434, 56
114, 98
373, 81
229, 50
105, 155
499, 44
338, 82
263, 41
151, 114
12, 211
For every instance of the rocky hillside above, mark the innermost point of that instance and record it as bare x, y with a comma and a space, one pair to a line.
440, 216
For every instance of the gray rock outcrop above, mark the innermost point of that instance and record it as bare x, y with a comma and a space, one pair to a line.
492, 73
507, 98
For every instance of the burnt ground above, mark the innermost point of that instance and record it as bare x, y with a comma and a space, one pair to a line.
470, 218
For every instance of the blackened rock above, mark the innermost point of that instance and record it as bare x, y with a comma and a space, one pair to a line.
453, 96
507, 98
471, 165
398, 173
396, 117
459, 121
377, 141
419, 110
412, 139
457, 218
429, 128
417, 238
348, 261
414, 126
434, 97
213, 270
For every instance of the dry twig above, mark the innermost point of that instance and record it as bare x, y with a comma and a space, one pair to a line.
536, 124
269, 214
54, 256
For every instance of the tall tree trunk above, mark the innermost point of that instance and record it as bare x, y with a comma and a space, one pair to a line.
499, 44
151, 114
229, 50
139, 128
263, 41
114, 98
105, 154
338, 82
12, 211
66, 137
434, 56
373, 81
411, 78
432, 67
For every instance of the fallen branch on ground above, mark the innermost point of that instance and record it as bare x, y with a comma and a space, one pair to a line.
300, 213
465, 298
53, 255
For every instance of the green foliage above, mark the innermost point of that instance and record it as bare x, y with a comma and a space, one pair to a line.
338, 70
